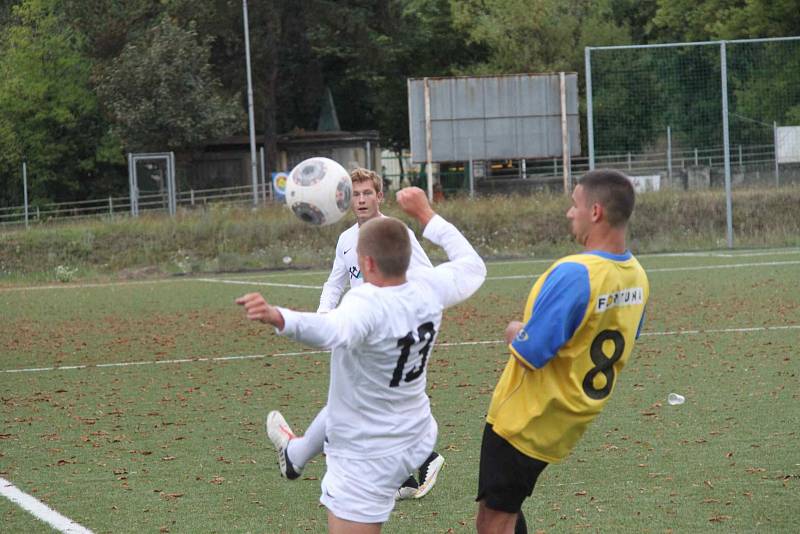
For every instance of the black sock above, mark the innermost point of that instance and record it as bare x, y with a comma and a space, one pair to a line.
521, 527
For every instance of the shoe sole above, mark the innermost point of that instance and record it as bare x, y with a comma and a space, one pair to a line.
434, 469
276, 419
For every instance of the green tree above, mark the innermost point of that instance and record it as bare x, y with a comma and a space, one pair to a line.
161, 93
522, 36
690, 20
48, 112
363, 51
543, 35
111, 24
371, 52
763, 78
759, 18
287, 80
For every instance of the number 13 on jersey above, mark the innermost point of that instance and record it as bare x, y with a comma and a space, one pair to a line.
425, 334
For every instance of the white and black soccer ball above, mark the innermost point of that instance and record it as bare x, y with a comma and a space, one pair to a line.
318, 191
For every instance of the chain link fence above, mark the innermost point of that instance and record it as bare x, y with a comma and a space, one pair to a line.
668, 105
733, 105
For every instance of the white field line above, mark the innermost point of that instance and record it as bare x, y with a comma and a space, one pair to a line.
670, 269
90, 285
753, 254
778, 252
521, 261
717, 254
521, 276
293, 273
725, 266
312, 352
706, 254
723, 330
40, 510
253, 283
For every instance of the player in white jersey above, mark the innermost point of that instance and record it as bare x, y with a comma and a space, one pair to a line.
379, 424
366, 200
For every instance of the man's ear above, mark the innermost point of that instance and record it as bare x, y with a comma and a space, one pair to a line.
597, 212
369, 264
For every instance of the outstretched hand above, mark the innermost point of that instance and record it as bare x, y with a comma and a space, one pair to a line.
258, 309
414, 202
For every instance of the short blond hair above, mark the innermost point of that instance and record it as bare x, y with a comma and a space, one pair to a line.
385, 239
361, 174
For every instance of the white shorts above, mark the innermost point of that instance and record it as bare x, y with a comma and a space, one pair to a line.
363, 490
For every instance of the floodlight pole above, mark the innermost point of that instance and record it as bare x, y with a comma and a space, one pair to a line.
25, 190
589, 110
428, 137
726, 144
775, 142
262, 163
251, 120
472, 170
565, 149
669, 153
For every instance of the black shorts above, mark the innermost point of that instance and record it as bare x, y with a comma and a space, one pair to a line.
506, 476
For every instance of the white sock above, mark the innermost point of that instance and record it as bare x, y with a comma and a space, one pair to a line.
303, 448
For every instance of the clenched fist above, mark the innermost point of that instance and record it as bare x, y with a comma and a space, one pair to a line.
258, 309
414, 202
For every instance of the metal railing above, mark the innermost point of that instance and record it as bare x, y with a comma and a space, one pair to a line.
756, 160
120, 206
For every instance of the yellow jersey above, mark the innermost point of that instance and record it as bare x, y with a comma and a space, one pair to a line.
581, 320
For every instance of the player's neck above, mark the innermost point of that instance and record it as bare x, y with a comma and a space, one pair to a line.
386, 281
612, 241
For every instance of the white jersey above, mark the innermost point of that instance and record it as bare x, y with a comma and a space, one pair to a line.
345, 267
381, 339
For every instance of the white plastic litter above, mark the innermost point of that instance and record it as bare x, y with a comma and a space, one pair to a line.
674, 399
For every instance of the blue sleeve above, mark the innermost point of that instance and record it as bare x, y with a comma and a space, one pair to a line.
641, 324
558, 310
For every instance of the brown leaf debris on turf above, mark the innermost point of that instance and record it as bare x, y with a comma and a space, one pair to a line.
217, 480
718, 518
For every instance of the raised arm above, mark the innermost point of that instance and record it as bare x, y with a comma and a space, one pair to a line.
457, 279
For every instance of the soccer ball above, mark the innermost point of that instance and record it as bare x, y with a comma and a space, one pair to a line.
318, 191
